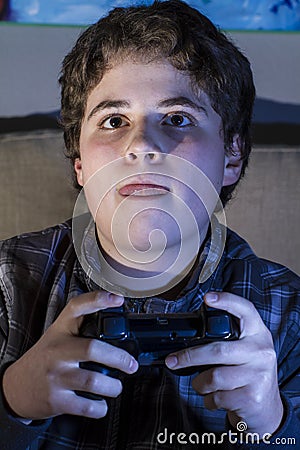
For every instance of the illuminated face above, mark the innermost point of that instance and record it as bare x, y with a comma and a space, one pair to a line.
142, 113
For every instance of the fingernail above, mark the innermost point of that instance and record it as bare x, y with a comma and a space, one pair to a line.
133, 366
211, 297
116, 299
171, 361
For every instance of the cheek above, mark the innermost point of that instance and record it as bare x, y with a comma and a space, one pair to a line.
95, 154
209, 158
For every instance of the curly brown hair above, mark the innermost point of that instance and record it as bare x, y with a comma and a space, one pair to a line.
169, 30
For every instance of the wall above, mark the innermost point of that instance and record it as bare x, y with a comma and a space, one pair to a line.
30, 58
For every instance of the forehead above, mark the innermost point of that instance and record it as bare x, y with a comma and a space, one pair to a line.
145, 83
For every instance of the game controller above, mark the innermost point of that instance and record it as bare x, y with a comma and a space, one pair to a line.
151, 337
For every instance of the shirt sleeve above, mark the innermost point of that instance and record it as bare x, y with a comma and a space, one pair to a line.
14, 435
288, 433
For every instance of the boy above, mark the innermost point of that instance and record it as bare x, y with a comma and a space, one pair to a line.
143, 86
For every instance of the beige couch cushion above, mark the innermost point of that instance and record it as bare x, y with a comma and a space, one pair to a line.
35, 189
37, 192
266, 207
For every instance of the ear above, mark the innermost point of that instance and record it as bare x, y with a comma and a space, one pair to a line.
78, 170
233, 163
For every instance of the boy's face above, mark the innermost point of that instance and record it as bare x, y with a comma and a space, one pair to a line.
142, 113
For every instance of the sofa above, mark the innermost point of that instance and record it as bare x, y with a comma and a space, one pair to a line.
37, 192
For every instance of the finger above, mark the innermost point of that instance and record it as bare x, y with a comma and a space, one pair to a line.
91, 381
72, 315
222, 378
81, 406
108, 355
235, 400
77, 349
220, 352
250, 320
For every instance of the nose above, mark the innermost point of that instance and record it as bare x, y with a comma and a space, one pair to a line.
144, 145
151, 157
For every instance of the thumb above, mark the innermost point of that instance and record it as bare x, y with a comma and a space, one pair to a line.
250, 320
71, 317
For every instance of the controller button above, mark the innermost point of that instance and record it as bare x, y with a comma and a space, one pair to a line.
114, 327
218, 326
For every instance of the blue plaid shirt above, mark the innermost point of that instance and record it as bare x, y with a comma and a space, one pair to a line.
40, 273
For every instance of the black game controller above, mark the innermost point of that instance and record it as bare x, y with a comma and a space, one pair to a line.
151, 337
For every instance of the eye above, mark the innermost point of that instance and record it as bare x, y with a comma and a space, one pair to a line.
178, 120
113, 122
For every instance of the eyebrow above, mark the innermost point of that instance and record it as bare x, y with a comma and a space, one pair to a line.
174, 101
182, 101
107, 104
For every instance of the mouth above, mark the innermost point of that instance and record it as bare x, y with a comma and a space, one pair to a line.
142, 189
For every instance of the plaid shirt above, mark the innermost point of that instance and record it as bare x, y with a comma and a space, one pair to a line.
40, 273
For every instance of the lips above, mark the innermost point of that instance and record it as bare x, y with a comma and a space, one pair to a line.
143, 189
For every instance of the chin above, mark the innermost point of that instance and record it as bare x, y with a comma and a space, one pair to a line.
153, 230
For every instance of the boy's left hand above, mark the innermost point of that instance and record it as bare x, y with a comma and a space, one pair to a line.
245, 382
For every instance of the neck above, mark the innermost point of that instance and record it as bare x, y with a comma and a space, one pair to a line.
169, 256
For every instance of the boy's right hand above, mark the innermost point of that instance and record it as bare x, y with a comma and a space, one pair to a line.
42, 382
